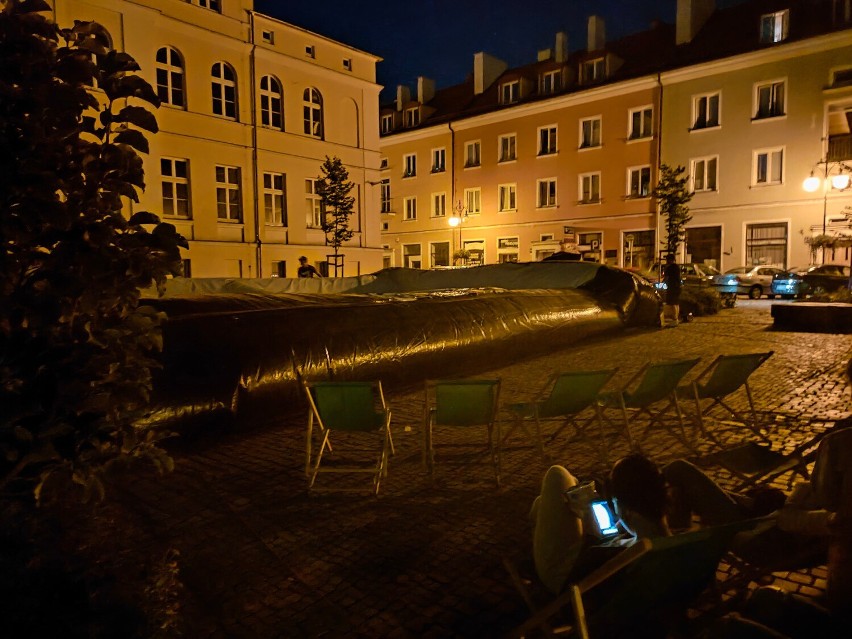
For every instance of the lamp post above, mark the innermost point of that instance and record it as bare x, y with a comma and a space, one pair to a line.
835, 175
459, 215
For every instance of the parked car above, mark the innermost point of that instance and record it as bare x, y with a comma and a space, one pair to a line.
692, 274
807, 281
753, 281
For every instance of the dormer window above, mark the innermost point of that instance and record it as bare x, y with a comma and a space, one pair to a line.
773, 26
267, 36
310, 51
387, 123
510, 92
592, 71
412, 117
551, 82
347, 64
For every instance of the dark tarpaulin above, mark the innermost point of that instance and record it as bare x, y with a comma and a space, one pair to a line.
238, 356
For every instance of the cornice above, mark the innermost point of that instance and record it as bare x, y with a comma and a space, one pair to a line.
415, 135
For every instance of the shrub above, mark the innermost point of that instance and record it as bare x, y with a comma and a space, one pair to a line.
699, 301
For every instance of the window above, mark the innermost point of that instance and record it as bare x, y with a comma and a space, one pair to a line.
767, 244
590, 133
841, 77
411, 255
383, 163
412, 117
639, 181
170, 77
410, 207
439, 160
473, 201
310, 51
546, 193
271, 113
506, 151
507, 249
769, 100
769, 166
773, 26
440, 253
228, 200
472, 153
268, 37
507, 195
640, 123
590, 188
385, 195
347, 64
410, 164
704, 174
705, 111
551, 82
510, 92
315, 206
842, 11
547, 140
224, 88
439, 205
592, 71
175, 187
274, 199
279, 268
312, 112
387, 123
213, 5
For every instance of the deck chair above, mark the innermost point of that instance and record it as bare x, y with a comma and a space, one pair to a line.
563, 399
355, 408
652, 581
723, 377
655, 384
462, 404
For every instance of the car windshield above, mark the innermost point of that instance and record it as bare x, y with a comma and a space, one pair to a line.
706, 269
736, 271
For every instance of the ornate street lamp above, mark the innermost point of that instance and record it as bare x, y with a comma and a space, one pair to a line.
455, 220
835, 175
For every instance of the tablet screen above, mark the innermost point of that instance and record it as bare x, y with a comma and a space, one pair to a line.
604, 518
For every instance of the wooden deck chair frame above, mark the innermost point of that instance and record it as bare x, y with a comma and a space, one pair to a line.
354, 410
564, 397
724, 376
645, 575
441, 409
655, 382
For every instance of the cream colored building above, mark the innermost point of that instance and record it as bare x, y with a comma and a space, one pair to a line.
251, 106
752, 125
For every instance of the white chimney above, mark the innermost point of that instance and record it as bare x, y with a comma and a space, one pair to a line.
597, 34
403, 96
544, 54
486, 69
425, 89
561, 49
691, 16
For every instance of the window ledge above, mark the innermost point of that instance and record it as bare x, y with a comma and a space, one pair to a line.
512, 161
769, 118
590, 147
697, 129
548, 154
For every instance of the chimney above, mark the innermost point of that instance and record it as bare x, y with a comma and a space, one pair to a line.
597, 34
403, 96
691, 16
561, 49
425, 89
544, 54
486, 69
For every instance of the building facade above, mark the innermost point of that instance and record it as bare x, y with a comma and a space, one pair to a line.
749, 99
250, 108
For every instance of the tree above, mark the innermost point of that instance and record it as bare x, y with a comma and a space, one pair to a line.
834, 242
672, 198
76, 347
333, 186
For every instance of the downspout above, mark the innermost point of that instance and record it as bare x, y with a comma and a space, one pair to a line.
258, 254
452, 164
659, 128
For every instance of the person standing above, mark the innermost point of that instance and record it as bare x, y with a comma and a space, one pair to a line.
305, 269
671, 278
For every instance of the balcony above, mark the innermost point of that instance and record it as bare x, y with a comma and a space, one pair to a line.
839, 147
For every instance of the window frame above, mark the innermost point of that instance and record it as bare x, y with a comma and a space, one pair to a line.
439, 153
409, 165
313, 113
776, 32
594, 177
224, 91
272, 194
409, 208
598, 70
642, 133
271, 103
510, 92
707, 96
589, 142
473, 200
228, 188
552, 145
385, 195
510, 189
512, 147
437, 211
705, 187
472, 154
638, 171
174, 75
316, 207
387, 118
555, 84
769, 152
411, 117
550, 199
773, 103
176, 182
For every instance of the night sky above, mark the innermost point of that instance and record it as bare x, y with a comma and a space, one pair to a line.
437, 38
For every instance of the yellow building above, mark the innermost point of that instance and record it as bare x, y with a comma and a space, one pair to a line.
251, 106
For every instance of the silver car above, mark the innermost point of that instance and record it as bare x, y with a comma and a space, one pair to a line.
753, 281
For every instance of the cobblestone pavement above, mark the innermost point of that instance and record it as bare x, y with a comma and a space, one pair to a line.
262, 558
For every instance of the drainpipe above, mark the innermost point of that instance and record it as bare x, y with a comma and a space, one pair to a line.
258, 251
452, 163
659, 128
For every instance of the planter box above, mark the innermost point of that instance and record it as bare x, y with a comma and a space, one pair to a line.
813, 317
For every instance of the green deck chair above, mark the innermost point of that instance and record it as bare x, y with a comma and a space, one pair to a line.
723, 377
563, 399
655, 384
357, 409
462, 404
653, 581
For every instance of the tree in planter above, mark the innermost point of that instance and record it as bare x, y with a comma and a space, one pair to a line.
76, 348
672, 197
333, 186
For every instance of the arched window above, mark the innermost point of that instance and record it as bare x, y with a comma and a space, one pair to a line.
271, 113
312, 106
170, 77
224, 90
